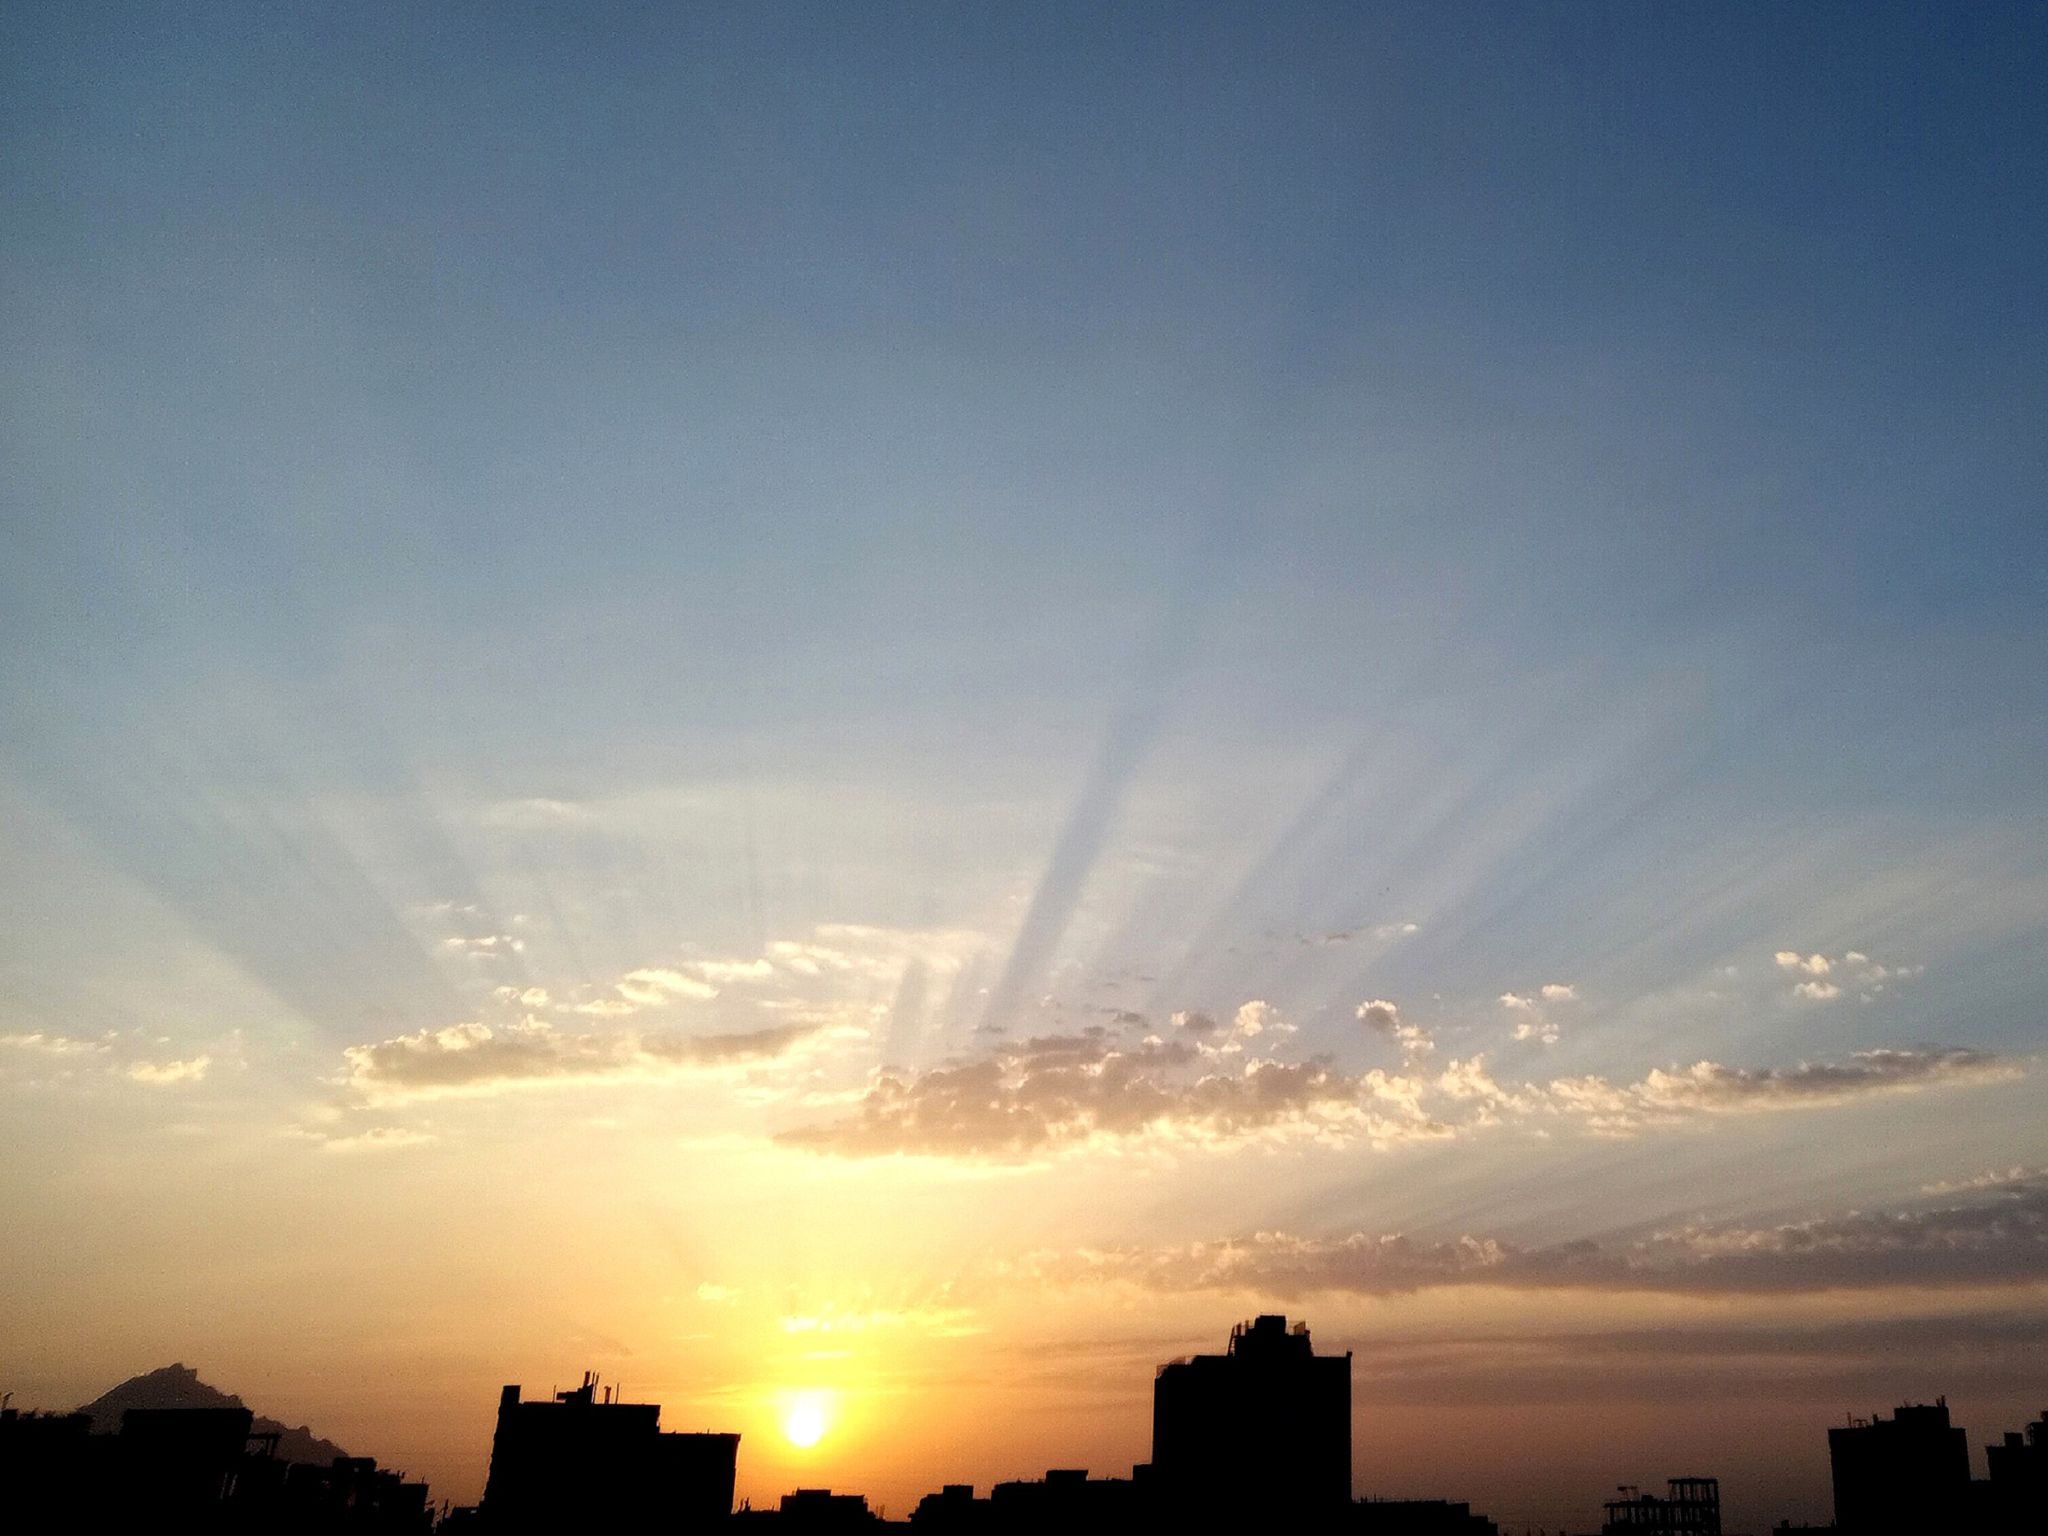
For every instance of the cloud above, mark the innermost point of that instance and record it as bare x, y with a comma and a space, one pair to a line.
1830, 978
1382, 1017
837, 961
1534, 1024
53, 1045
1061, 1092
653, 985
485, 945
476, 1058
1708, 1088
526, 997
1213, 1038
941, 1321
1999, 1238
717, 1295
605, 1008
163, 1073
1994, 1178
1200, 1086
378, 1138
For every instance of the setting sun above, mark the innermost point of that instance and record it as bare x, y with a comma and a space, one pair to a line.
805, 1420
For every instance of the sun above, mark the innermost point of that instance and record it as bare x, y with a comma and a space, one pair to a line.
805, 1420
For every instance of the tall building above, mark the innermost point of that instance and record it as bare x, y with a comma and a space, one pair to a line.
1901, 1476
2018, 1493
581, 1461
1261, 1431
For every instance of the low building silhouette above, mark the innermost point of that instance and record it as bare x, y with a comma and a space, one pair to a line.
204, 1470
1690, 1506
1262, 1431
581, 1461
1418, 1517
811, 1509
1901, 1476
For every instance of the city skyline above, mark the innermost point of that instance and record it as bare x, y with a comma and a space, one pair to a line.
1255, 1437
852, 713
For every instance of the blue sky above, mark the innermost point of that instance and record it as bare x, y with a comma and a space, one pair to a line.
1087, 508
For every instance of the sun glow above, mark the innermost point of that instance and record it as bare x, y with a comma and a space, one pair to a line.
806, 1419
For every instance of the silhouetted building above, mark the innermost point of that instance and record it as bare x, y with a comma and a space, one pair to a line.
1262, 1430
1690, 1506
2017, 1495
200, 1470
1909, 1474
581, 1461
1418, 1517
953, 1508
55, 1473
182, 1466
1066, 1500
815, 1509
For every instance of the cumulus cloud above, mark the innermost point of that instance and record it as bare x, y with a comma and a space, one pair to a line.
1384, 1018
1095, 1089
1532, 1022
164, 1073
485, 945
1827, 978
2001, 1237
1059, 1092
1211, 1037
475, 1058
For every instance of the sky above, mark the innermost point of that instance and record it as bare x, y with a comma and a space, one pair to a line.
871, 714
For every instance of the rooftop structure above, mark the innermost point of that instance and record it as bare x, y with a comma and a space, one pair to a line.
1691, 1506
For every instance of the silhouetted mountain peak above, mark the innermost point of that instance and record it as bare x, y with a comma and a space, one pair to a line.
179, 1386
